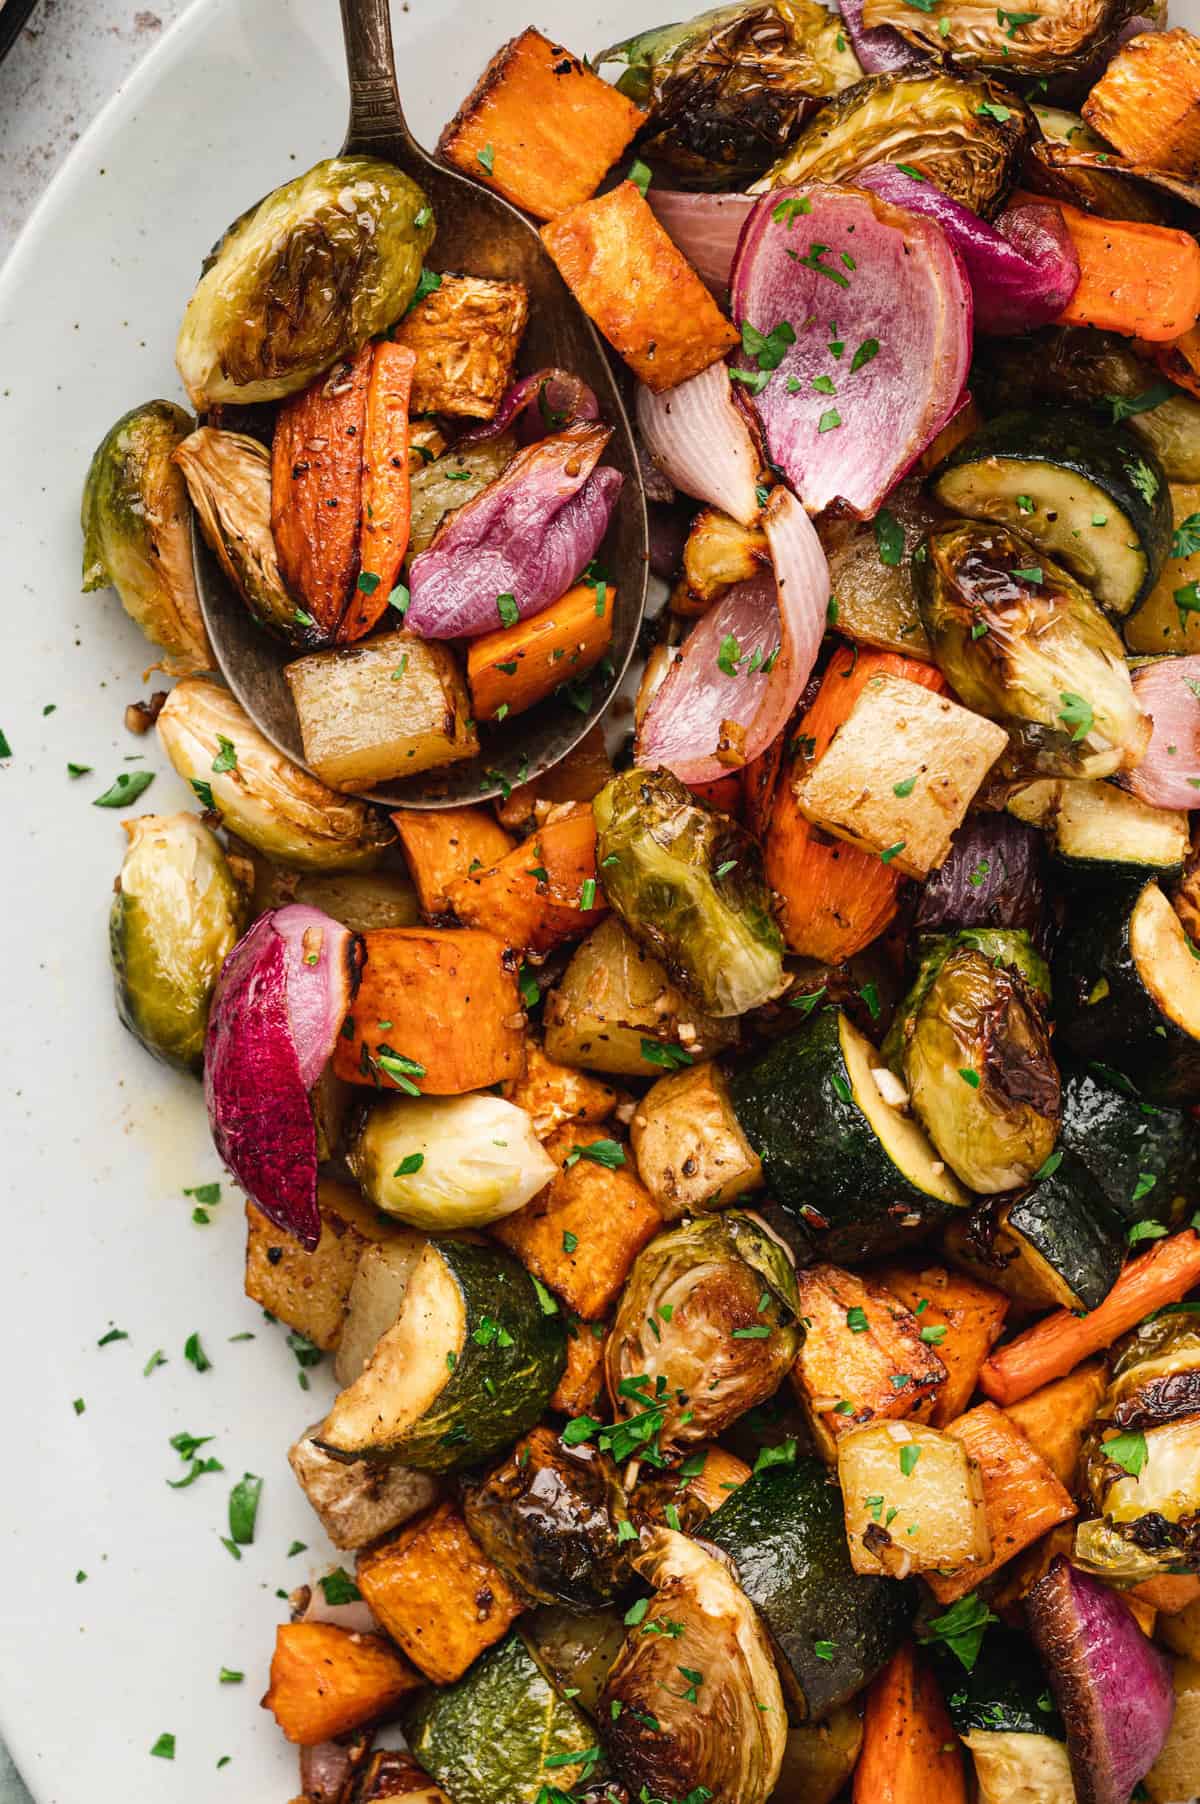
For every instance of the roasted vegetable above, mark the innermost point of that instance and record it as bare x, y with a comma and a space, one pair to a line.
444, 1162
358, 1503
542, 892
909, 1754
1142, 280
465, 334
705, 1329
1145, 1161
1059, 1242
971, 1315
1023, 643
1147, 102
694, 1699
966, 137
1054, 166
326, 1681
876, 601
1064, 38
443, 844
517, 666
1161, 624
310, 1291
688, 883
136, 531
1002, 1708
307, 276
555, 1095
1056, 1418
228, 475
575, 1649
1097, 831
690, 1151
913, 1501
177, 913
819, 1758
376, 1299
440, 488
260, 795
992, 878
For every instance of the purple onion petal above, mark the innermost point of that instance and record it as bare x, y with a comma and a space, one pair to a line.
881, 50
547, 401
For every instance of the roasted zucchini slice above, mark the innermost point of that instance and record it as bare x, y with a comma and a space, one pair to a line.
1145, 1161
1098, 831
1070, 1241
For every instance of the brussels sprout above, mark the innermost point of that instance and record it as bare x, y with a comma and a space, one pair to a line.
693, 1706
976, 1060
137, 531
442, 1162
706, 1327
1057, 39
551, 1519
260, 795
728, 89
177, 914
688, 883
303, 278
229, 480
966, 137
1023, 643
1097, 190
448, 483
576, 1649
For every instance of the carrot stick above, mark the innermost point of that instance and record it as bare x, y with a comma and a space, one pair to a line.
1141, 280
910, 1752
515, 666
1179, 361
386, 495
1056, 1345
758, 780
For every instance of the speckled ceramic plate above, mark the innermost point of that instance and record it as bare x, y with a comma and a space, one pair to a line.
121, 1604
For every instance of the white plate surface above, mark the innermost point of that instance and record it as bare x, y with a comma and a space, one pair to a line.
100, 1142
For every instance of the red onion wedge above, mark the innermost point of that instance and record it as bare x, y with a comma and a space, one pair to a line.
528, 536
1169, 774
747, 660
881, 50
327, 1769
699, 437
1112, 1685
546, 401
277, 1009
1023, 270
705, 227
875, 307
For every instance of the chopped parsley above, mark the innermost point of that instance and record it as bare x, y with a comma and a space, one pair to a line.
889, 537
1077, 713
1127, 1451
125, 789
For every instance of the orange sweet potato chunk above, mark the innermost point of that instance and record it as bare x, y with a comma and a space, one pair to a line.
444, 844
543, 893
326, 1681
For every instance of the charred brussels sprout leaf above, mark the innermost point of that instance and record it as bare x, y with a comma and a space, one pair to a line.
137, 531
966, 137
706, 1328
1023, 643
305, 277
727, 90
1059, 37
693, 1706
177, 914
688, 883
229, 479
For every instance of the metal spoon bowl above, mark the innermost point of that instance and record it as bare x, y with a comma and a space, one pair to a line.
477, 234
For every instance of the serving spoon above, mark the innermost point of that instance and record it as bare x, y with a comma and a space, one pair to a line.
478, 234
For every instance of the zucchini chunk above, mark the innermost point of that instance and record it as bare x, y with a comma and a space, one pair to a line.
843, 1164
375, 1299
1127, 984
833, 1628
470, 1362
575, 1649
913, 1501
1070, 1242
1087, 494
1145, 1160
1099, 831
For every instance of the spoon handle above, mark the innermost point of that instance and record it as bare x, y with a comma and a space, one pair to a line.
376, 115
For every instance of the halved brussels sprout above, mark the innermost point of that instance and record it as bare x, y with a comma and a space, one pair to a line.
260, 795
177, 914
307, 276
443, 1162
688, 883
1061, 36
1096, 190
706, 1327
137, 531
727, 89
1023, 643
967, 137
228, 476
441, 487
693, 1706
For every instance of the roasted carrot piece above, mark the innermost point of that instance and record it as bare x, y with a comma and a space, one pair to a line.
641, 291
758, 779
316, 488
386, 495
910, 1752
443, 844
1147, 102
326, 1681
1179, 361
517, 666
539, 127
1140, 280
723, 793
542, 893
1059, 1342
837, 899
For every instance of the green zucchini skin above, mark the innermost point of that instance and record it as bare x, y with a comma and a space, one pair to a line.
486, 1739
1076, 473
1066, 1223
833, 1185
1123, 1027
1006, 1692
1122, 1140
785, 1532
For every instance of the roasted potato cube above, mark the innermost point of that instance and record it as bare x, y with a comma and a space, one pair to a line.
720, 552
436, 1593
1176, 1772
862, 1357
690, 1151
465, 335
387, 708
1147, 102
583, 1376
310, 1291
913, 1501
582, 1234
960, 1318
553, 1095
444, 844
899, 775
360, 1501
1181, 1630
326, 1681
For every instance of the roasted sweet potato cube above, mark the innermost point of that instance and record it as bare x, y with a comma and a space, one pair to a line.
465, 335
960, 1318
309, 1291
583, 1375
582, 1234
1055, 1419
436, 1593
1147, 102
359, 1500
539, 127
862, 1358
543, 892
1022, 1498
437, 1011
640, 290
553, 1095
444, 844
326, 1681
